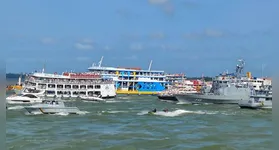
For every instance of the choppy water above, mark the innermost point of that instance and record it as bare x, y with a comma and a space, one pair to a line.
123, 123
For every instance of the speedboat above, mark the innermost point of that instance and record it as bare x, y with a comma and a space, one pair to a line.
23, 99
253, 104
51, 107
91, 98
261, 100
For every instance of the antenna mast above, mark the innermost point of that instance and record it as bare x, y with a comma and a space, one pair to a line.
100, 62
150, 65
44, 66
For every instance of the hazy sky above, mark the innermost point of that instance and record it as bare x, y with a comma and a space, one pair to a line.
194, 37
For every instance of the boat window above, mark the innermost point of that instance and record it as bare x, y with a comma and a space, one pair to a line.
30, 96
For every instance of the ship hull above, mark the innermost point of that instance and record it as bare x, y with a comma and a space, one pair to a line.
215, 99
168, 98
120, 92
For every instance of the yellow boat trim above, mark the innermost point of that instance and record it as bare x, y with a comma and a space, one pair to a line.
136, 92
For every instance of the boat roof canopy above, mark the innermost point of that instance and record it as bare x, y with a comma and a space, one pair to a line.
122, 69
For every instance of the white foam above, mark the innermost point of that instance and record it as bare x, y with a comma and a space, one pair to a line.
12, 102
15, 108
123, 97
176, 113
62, 114
144, 112
182, 103
171, 113
90, 101
82, 112
204, 104
34, 113
113, 101
114, 112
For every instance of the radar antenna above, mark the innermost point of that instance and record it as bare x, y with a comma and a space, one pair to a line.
239, 68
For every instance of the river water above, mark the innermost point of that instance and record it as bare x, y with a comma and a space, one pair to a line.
124, 123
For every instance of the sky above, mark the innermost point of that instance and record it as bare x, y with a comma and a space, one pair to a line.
195, 37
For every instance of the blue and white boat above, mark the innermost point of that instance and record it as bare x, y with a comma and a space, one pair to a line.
133, 80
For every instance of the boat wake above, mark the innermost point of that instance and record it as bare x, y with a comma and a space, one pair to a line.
114, 101
59, 114
183, 103
85, 101
204, 104
83, 112
15, 108
178, 112
113, 112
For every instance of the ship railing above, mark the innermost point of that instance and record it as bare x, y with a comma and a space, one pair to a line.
65, 90
71, 82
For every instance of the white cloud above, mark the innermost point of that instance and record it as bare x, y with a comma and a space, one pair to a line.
48, 40
83, 46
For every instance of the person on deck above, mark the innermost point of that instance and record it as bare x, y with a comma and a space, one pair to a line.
155, 110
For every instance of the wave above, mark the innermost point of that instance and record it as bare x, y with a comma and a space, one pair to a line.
15, 107
176, 113
59, 114
182, 103
126, 97
114, 112
113, 101
82, 112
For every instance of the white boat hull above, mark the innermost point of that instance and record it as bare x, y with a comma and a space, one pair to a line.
255, 105
215, 99
52, 110
22, 100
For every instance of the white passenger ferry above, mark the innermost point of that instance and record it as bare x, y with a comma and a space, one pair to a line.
69, 85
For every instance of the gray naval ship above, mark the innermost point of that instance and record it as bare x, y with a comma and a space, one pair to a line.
226, 89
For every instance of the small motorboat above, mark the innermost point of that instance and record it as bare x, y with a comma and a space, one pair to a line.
24, 99
262, 99
51, 107
151, 113
252, 104
92, 98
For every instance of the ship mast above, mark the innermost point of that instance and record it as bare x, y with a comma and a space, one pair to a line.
239, 68
100, 62
44, 66
150, 65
